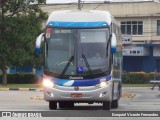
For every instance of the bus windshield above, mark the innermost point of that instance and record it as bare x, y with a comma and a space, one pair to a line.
77, 51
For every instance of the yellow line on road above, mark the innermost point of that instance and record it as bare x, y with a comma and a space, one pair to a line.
37, 98
128, 95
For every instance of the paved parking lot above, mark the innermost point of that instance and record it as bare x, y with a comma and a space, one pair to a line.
139, 99
142, 99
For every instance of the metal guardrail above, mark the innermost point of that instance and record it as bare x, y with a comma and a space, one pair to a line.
154, 81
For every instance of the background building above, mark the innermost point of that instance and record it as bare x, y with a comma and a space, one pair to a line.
141, 20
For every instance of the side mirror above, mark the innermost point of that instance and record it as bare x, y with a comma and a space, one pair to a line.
113, 43
39, 40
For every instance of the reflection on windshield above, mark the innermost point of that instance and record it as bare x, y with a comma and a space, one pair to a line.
93, 44
61, 47
88, 46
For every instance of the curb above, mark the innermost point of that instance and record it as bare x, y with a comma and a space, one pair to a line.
4, 89
22, 89
41, 89
124, 88
124, 95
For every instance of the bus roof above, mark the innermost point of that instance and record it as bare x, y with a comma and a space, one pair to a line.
77, 16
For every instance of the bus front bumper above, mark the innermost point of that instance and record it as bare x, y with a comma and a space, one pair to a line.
78, 94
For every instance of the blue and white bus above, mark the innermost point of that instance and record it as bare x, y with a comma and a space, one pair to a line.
83, 56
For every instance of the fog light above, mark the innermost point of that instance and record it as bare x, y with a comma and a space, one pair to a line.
47, 83
102, 94
50, 94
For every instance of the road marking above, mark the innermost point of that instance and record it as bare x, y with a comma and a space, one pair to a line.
37, 98
128, 95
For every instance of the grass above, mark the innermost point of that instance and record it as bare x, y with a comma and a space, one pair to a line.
40, 86
22, 86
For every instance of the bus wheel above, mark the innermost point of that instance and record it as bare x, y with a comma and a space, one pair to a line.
52, 105
106, 105
114, 103
62, 105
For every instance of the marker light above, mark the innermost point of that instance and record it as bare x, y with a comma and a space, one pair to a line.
103, 84
47, 83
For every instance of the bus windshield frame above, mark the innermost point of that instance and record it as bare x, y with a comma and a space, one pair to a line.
77, 52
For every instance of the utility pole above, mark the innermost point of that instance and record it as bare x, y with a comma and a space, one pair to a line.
79, 4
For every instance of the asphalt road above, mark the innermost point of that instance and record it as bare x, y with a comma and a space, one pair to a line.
144, 100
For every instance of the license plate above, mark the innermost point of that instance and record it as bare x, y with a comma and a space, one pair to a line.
76, 95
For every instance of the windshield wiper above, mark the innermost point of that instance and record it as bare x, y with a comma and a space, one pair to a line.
86, 62
67, 65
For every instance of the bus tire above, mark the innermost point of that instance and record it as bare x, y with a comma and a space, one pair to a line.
106, 105
52, 105
70, 105
115, 103
62, 105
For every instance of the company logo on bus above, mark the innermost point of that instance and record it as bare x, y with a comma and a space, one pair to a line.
76, 88
75, 78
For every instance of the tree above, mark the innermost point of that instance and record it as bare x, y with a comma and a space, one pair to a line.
20, 24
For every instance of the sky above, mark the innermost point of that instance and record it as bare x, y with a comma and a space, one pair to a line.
69, 1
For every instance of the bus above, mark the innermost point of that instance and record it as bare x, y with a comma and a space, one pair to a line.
82, 59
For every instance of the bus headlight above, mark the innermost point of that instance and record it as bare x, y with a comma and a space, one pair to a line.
48, 83
103, 84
